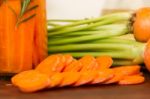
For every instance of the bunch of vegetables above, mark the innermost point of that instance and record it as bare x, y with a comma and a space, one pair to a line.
60, 70
107, 35
23, 34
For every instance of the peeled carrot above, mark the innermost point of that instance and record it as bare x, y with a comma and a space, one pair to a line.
88, 62
40, 42
31, 81
16, 41
86, 78
104, 62
103, 75
123, 71
69, 78
48, 66
130, 80
74, 66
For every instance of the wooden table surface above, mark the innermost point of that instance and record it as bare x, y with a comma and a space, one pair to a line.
142, 91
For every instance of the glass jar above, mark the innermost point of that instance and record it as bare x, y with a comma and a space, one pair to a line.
20, 31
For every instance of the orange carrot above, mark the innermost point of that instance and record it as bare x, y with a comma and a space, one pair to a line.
104, 62
123, 71
74, 66
103, 75
30, 81
40, 43
88, 63
55, 80
16, 40
69, 78
86, 77
68, 58
141, 24
130, 80
48, 66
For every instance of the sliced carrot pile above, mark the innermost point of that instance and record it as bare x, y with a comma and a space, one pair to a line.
135, 79
31, 81
122, 71
60, 70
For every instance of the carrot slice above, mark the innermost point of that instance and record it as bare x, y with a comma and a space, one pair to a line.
86, 77
69, 78
55, 80
123, 71
48, 66
104, 62
102, 76
30, 81
74, 66
61, 64
68, 58
130, 80
88, 63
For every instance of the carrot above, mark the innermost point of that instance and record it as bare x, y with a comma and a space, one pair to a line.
61, 64
88, 63
74, 66
103, 75
40, 43
141, 24
55, 80
68, 58
30, 81
123, 71
104, 62
130, 80
16, 40
48, 66
86, 77
69, 78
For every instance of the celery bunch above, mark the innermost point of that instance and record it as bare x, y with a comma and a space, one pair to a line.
105, 35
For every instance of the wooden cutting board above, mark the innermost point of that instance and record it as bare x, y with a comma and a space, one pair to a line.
142, 91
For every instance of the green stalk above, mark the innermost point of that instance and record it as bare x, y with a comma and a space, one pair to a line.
99, 35
89, 47
103, 20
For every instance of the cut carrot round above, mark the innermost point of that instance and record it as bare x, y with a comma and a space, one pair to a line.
103, 75
61, 64
120, 72
104, 62
69, 78
48, 66
68, 58
88, 62
74, 66
86, 78
55, 80
30, 81
131, 80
